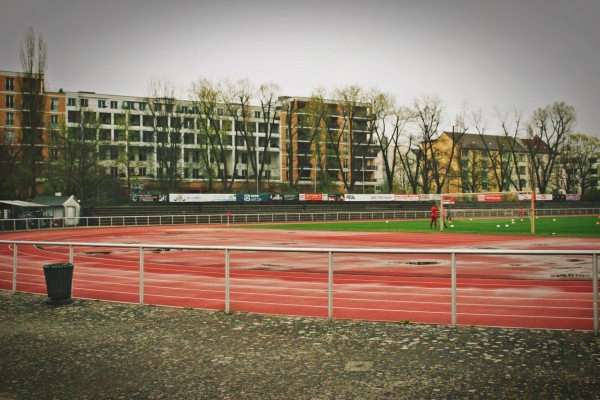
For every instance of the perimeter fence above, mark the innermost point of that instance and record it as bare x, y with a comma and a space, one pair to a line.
182, 219
232, 278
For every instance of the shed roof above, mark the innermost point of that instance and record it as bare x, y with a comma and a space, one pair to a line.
20, 203
52, 200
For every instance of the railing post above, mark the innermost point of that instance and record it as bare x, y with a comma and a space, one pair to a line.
141, 276
14, 282
227, 270
330, 287
595, 284
71, 256
453, 279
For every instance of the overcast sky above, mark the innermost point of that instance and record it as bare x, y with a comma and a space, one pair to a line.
484, 53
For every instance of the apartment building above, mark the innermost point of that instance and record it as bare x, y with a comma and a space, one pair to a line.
25, 128
139, 139
327, 145
482, 163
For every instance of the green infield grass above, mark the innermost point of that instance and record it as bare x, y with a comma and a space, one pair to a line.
566, 226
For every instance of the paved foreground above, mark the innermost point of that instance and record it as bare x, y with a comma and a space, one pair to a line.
100, 350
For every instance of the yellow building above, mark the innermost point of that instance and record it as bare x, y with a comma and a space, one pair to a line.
472, 163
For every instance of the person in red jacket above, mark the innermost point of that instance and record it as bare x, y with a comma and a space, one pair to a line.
434, 216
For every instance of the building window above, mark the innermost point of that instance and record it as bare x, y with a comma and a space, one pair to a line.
134, 136
105, 135
101, 103
114, 172
53, 104
83, 102
142, 155
148, 137
256, 114
147, 120
10, 119
135, 120
114, 104
10, 101
267, 158
71, 102
54, 121
196, 173
9, 138
128, 105
142, 106
114, 154
105, 118
10, 84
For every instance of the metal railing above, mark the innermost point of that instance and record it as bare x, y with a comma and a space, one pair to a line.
182, 219
329, 252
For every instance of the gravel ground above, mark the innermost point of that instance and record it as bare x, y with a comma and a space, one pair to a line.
101, 350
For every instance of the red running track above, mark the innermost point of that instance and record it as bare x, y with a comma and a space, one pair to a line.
508, 291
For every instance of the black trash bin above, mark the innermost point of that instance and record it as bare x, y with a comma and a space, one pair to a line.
59, 282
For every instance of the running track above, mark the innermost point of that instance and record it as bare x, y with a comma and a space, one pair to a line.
551, 292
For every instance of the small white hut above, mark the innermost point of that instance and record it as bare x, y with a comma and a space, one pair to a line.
65, 210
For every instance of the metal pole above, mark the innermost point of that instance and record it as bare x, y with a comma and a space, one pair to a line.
141, 276
330, 288
227, 305
14, 283
532, 217
595, 284
71, 257
441, 217
453, 279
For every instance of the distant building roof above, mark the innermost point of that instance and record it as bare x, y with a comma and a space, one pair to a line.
20, 203
475, 141
537, 145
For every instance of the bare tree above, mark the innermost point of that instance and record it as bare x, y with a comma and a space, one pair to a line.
126, 153
578, 158
33, 62
290, 109
499, 156
236, 98
547, 131
410, 155
383, 117
427, 113
313, 149
268, 95
166, 121
74, 166
351, 139
10, 168
510, 122
213, 128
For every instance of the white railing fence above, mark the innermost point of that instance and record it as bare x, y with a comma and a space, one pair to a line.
328, 254
180, 219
